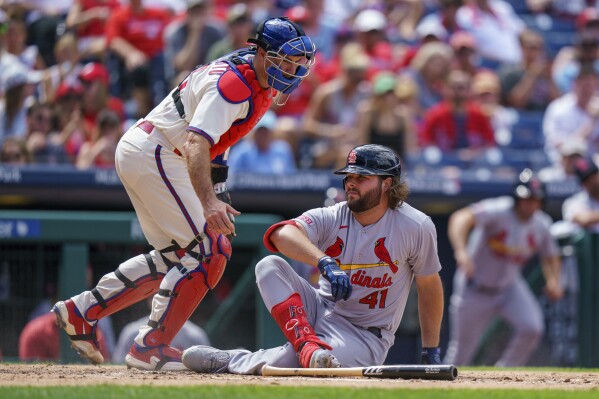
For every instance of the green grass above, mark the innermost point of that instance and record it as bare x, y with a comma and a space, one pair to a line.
255, 392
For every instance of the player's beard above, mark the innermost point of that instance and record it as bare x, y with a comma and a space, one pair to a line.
365, 201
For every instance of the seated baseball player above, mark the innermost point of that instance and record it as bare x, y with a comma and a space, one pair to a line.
368, 249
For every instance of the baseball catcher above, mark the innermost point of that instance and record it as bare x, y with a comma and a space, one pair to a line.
173, 165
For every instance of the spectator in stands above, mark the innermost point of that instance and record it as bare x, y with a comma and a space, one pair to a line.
486, 92
403, 17
529, 85
187, 41
98, 152
425, 33
3, 27
561, 8
569, 61
44, 20
296, 105
262, 152
330, 120
6, 59
18, 86
428, 70
239, 28
134, 35
14, 152
586, 50
444, 15
70, 123
67, 66
582, 208
383, 120
43, 143
95, 81
588, 20
370, 29
464, 50
190, 334
88, 19
40, 340
457, 124
318, 25
16, 43
495, 28
406, 92
574, 115
570, 152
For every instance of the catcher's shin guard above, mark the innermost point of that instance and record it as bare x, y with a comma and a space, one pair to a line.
132, 281
291, 317
182, 290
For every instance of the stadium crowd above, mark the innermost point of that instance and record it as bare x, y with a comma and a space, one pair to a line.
443, 82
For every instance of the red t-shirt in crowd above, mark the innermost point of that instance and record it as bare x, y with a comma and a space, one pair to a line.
440, 127
95, 27
76, 140
142, 30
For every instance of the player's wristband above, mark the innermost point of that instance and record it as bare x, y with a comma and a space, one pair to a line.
220, 188
219, 174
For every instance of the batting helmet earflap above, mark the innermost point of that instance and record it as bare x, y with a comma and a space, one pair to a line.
527, 185
372, 159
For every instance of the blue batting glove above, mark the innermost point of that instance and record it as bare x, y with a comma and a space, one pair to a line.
340, 284
431, 356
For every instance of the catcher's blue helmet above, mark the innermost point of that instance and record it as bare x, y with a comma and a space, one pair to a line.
280, 38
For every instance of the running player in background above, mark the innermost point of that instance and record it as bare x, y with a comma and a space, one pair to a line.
172, 164
506, 234
368, 249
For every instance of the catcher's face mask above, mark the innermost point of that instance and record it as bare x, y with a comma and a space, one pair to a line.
289, 54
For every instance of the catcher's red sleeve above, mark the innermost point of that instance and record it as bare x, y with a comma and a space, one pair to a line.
267, 243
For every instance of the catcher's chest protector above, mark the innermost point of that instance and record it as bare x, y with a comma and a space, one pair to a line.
237, 84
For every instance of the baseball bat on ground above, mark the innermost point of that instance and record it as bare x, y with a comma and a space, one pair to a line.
427, 372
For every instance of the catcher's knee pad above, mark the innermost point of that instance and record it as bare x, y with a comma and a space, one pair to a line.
220, 253
291, 317
132, 281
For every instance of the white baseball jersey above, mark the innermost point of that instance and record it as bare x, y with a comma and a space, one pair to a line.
381, 259
206, 111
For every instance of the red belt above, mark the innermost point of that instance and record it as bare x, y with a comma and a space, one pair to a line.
148, 128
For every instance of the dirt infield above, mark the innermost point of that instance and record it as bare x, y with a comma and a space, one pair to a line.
55, 375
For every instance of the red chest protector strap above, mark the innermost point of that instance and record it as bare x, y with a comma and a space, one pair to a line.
237, 85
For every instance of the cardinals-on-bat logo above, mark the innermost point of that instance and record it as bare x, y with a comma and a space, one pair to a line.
335, 250
383, 254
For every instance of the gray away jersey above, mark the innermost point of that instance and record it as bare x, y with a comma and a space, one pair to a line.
501, 244
381, 259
